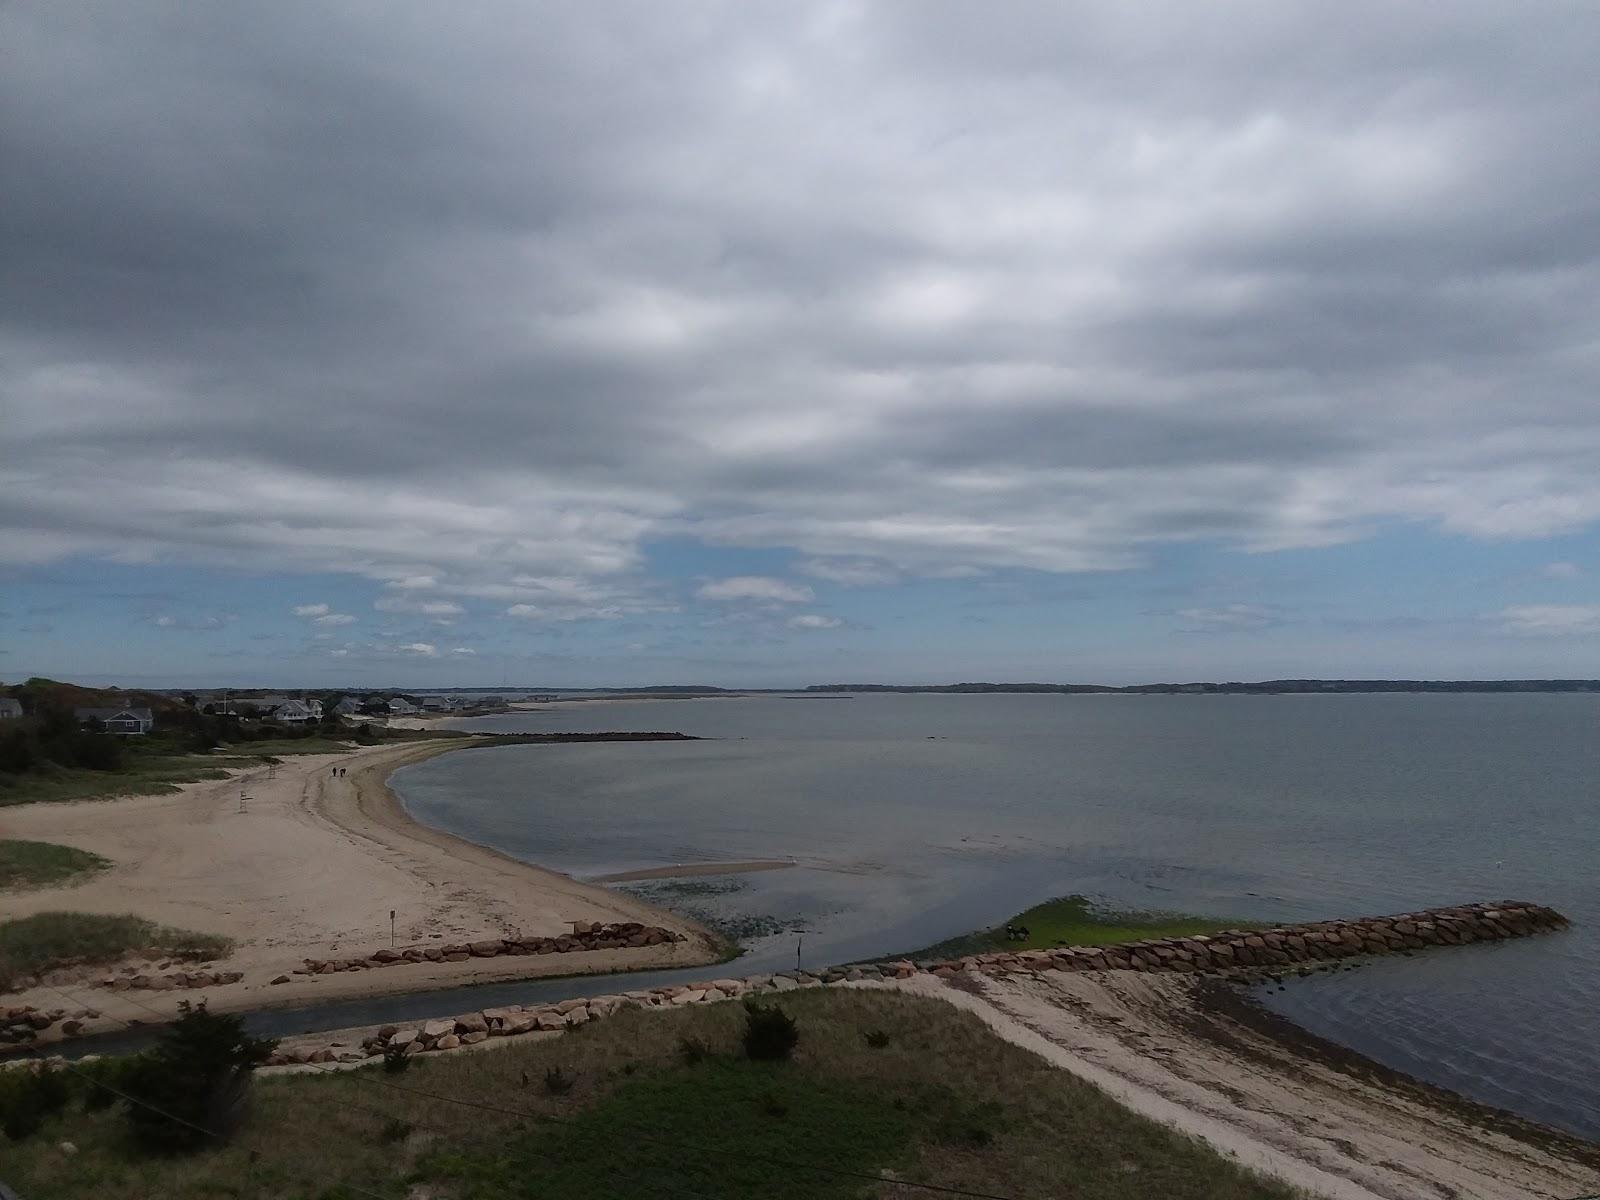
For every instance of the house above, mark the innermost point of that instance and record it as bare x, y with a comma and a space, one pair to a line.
348, 706
439, 704
291, 710
401, 707
10, 709
130, 722
295, 712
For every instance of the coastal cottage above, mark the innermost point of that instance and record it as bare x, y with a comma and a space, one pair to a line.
10, 710
436, 704
401, 707
129, 722
348, 706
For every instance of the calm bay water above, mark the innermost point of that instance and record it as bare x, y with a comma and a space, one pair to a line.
914, 818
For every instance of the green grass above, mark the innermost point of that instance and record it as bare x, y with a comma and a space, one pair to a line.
1074, 921
39, 864
146, 775
32, 944
945, 1101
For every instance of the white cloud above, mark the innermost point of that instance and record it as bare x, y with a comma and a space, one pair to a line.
464, 651
1561, 570
331, 619
421, 649
814, 621
756, 588
1552, 620
1229, 618
1235, 315
849, 572
426, 608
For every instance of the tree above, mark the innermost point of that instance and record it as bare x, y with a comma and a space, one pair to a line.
193, 1088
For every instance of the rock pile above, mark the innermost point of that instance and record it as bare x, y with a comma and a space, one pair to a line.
584, 936
1232, 952
129, 981
1249, 950
25, 1022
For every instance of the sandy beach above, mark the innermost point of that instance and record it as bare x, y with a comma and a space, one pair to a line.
310, 868
1322, 1119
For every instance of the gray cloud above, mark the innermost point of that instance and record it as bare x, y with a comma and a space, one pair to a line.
476, 305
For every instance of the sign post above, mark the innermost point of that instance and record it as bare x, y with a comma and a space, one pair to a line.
391, 929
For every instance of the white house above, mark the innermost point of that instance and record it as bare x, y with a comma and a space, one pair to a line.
127, 721
10, 709
296, 712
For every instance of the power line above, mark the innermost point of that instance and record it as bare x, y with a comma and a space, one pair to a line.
657, 1187
706, 1151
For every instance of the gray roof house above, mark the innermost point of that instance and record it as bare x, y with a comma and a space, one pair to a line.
10, 709
128, 721
347, 706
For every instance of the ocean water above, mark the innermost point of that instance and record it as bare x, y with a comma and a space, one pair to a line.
914, 818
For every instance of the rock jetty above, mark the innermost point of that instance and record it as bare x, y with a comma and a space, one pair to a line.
585, 935
1241, 954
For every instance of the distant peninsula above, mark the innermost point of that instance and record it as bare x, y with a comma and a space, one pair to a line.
1268, 687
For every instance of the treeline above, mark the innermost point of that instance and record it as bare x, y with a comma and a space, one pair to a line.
1270, 687
54, 737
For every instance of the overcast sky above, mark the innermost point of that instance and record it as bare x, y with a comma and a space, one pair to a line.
786, 343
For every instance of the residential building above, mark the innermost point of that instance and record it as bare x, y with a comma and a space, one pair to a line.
127, 721
10, 709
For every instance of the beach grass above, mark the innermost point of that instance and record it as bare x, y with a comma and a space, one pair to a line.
1074, 921
146, 775
933, 1096
40, 864
37, 943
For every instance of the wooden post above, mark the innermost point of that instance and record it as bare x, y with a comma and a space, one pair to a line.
391, 929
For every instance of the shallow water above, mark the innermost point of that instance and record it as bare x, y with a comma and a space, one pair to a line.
914, 818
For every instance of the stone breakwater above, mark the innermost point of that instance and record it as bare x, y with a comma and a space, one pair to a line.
24, 1023
585, 935
1249, 951
1232, 953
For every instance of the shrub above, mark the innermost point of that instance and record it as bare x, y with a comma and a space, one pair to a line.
557, 1082
693, 1051
395, 1059
769, 1033
30, 1095
194, 1086
394, 1130
877, 1038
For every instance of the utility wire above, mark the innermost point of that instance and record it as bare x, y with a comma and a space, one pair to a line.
706, 1151
655, 1186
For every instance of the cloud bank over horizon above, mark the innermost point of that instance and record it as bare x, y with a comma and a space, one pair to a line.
532, 320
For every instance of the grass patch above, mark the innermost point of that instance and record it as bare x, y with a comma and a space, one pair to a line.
146, 775
1074, 921
29, 945
39, 864
944, 1101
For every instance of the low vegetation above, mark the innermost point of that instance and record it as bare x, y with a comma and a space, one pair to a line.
40, 864
1074, 921
942, 1100
29, 945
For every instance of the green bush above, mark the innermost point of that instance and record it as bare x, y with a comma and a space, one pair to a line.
769, 1033
28, 1096
194, 1087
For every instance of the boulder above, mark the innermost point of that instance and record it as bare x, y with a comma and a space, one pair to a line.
567, 1006
473, 1038
434, 1030
448, 1042
281, 979
472, 1023
487, 948
400, 1037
